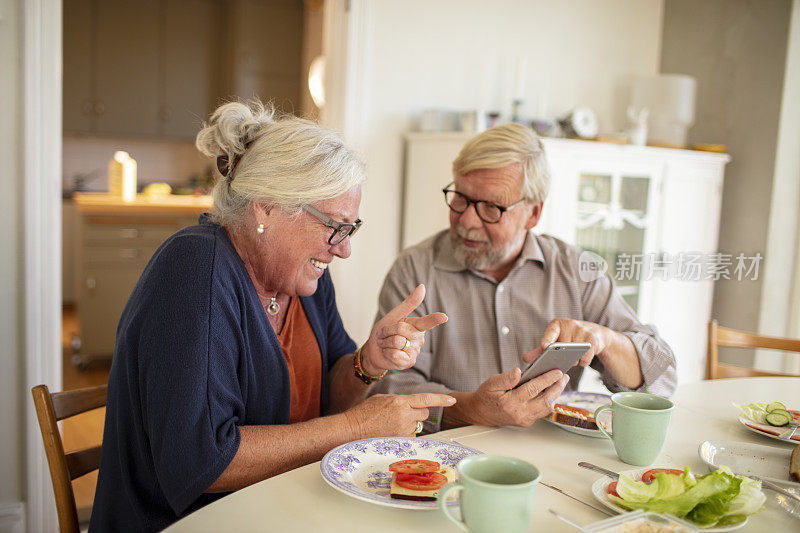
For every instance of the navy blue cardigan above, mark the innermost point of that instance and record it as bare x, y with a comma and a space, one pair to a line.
195, 359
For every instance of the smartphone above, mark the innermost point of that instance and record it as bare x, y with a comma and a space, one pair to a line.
560, 355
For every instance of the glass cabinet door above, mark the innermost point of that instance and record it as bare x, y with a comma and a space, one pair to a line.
614, 219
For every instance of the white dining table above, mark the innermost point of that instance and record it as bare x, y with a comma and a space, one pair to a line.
301, 500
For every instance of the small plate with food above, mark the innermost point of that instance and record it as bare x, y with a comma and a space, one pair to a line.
695, 499
771, 420
403, 472
574, 412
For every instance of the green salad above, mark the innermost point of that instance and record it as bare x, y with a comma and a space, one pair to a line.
716, 499
774, 414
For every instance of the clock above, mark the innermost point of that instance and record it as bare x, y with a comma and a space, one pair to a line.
580, 122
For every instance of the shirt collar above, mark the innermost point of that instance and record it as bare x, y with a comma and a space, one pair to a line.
444, 258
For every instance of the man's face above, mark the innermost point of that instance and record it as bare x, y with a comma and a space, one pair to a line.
478, 244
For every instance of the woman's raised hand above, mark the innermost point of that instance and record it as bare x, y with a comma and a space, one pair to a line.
396, 339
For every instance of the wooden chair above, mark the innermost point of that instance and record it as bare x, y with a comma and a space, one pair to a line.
50, 408
721, 336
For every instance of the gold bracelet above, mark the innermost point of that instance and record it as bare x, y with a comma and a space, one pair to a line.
359, 371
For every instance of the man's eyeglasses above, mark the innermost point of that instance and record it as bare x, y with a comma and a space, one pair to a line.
341, 230
487, 211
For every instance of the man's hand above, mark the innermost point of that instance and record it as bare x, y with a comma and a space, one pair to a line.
498, 403
615, 350
396, 339
568, 330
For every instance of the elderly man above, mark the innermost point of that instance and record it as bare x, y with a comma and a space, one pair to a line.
508, 294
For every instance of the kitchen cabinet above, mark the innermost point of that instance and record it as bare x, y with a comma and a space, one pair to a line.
639, 208
114, 242
144, 68
189, 66
126, 58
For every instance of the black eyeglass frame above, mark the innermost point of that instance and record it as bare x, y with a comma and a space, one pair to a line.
335, 225
470, 201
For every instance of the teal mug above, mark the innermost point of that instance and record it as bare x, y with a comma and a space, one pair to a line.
497, 494
639, 422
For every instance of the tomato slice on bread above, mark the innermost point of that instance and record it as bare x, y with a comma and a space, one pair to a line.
579, 410
426, 481
650, 475
414, 466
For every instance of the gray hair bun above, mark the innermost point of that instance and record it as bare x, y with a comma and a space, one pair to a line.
232, 127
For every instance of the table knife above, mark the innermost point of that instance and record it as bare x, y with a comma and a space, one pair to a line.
607, 513
600, 470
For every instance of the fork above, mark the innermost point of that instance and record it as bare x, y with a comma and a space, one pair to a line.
789, 433
772, 486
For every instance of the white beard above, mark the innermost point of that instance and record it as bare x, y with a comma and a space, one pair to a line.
486, 256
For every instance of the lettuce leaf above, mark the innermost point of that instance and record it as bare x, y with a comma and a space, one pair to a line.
719, 498
681, 504
663, 487
757, 412
750, 499
709, 511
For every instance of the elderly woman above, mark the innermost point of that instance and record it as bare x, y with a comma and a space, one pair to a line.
231, 361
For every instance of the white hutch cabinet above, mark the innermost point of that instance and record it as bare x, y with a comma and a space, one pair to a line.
644, 210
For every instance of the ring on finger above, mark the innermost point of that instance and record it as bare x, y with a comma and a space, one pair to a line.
406, 346
419, 427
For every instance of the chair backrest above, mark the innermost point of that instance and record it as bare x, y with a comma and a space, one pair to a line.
721, 336
50, 408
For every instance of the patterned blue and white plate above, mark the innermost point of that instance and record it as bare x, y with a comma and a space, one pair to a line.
585, 400
361, 468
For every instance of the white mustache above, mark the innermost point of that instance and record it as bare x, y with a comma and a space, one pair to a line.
472, 235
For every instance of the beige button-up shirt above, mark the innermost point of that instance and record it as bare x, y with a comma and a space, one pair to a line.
491, 325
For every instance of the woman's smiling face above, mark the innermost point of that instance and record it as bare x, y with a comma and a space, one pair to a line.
295, 249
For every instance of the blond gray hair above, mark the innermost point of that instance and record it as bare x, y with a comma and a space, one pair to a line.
505, 145
285, 161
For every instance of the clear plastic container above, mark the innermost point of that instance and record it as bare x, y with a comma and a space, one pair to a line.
641, 522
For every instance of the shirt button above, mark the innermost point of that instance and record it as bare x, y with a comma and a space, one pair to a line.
500, 288
505, 330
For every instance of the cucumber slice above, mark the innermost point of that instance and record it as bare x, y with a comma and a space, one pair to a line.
783, 413
777, 418
775, 406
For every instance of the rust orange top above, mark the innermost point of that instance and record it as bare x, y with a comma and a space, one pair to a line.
304, 360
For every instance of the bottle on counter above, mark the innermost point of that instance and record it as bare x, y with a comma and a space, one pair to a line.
122, 176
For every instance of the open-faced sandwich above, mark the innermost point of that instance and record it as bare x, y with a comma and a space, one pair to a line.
418, 479
573, 416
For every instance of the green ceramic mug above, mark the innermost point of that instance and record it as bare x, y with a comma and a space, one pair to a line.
639, 422
497, 494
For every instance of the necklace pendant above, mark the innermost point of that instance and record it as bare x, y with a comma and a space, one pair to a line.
274, 307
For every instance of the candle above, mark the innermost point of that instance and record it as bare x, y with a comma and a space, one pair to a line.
519, 87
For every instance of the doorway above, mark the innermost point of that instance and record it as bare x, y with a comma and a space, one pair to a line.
140, 77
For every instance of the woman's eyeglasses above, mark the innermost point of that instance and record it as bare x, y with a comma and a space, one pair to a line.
489, 212
341, 230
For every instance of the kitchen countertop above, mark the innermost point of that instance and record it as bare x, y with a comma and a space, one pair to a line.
105, 204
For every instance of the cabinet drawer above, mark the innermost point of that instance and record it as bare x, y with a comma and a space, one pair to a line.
122, 234
103, 293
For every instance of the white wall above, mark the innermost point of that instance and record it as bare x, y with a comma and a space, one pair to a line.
11, 394
462, 54
779, 305
737, 51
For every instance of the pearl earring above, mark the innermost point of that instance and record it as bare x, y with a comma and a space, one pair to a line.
260, 228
